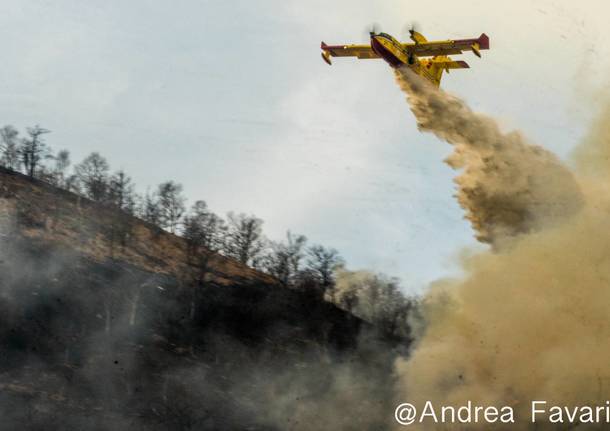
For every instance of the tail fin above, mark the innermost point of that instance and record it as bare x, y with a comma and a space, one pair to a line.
483, 41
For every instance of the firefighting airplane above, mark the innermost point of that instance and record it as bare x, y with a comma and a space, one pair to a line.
408, 54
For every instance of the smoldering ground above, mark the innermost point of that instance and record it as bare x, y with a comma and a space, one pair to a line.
103, 345
530, 320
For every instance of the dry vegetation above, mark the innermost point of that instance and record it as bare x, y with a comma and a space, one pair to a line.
41, 211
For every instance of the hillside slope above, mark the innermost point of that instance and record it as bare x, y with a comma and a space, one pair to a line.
103, 334
41, 211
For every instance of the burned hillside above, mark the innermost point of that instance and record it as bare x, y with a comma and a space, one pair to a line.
107, 324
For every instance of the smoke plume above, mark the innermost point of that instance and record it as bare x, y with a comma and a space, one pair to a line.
508, 186
528, 321
377, 299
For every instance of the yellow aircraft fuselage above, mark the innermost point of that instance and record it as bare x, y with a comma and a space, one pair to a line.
398, 54
389, 49
392, 51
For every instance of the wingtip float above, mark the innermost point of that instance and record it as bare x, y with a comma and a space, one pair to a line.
426, 58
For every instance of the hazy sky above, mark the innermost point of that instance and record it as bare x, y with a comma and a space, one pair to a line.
232, 100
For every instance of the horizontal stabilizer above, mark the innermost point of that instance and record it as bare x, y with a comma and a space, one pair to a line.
326, 57
446, 63
325, 53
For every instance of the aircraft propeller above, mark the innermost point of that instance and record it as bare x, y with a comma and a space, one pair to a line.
373, 29
409, 29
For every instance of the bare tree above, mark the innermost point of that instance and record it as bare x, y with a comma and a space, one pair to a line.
205, 234
149, 208
245, 238
92, 174
171, 205
276, 262
72, 184
203, 228
376, 298
121, 192
295, 245
322, 263
57, 175
9, 147
33, 149
284, 258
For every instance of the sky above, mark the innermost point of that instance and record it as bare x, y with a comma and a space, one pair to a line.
232, 100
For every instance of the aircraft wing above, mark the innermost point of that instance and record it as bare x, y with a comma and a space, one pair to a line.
448, 47
359, 51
